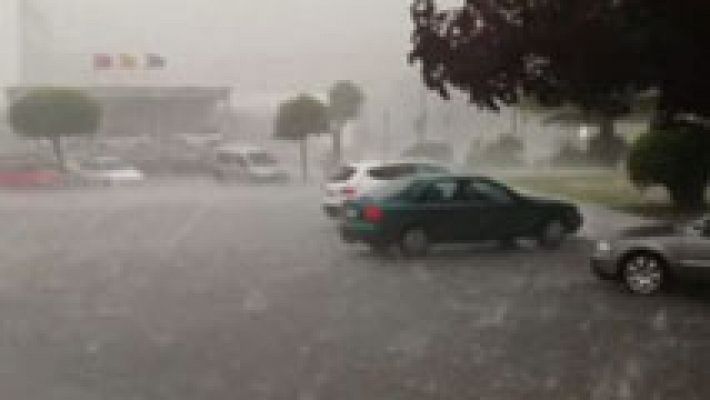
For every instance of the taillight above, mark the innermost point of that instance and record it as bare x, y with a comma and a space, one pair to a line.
373, 214
349, 192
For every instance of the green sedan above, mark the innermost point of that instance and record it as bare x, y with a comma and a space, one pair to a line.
421, 211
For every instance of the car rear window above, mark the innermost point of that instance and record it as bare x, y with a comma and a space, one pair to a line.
391, 172
389, 190
343, 174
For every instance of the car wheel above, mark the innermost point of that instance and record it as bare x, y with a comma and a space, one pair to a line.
414, 242
552, 234
643, 273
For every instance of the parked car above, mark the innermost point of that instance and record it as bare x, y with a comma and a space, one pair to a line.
353, 179
646, 258
105, 171
21, 173
247, 163
421, 211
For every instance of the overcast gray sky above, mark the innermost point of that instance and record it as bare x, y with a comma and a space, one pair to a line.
259, 46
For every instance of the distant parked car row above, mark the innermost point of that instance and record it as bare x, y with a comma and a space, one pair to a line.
104, 171
33, 173
227, 163
29, 173
247, 164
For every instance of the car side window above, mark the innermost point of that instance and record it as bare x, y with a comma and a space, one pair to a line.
439, 192
484, 191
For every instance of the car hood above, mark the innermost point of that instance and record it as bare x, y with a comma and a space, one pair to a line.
548, 202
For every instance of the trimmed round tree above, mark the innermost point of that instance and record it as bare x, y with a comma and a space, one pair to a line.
677, 158
299, 117
54, 113
345, 101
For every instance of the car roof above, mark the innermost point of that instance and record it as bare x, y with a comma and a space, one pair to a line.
451, 176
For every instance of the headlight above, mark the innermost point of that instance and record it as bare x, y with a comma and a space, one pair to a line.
603, 246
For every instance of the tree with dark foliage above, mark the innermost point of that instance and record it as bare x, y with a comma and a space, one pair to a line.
298, 118
345, 101
55, 113
677, 158
595, 54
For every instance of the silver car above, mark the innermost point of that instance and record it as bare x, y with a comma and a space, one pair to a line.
647, 257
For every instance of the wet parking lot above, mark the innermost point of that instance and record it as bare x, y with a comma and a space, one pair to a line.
193, 290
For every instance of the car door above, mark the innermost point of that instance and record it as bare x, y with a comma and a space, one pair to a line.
438, 211
493, 211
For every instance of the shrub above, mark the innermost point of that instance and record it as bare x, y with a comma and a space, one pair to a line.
677, 158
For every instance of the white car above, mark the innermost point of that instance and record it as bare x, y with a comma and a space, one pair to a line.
247, 163
352, 180
106, 171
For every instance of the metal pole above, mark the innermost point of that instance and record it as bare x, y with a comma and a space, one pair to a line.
22, 41
425, 116
385, 134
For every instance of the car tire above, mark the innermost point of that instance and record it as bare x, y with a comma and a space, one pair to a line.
414, 242
552, 234
644, 273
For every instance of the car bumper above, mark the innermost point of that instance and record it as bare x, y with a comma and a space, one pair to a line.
604, 267
352, 232
332, 210
332, 206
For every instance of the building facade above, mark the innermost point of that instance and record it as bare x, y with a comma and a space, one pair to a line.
136, 96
